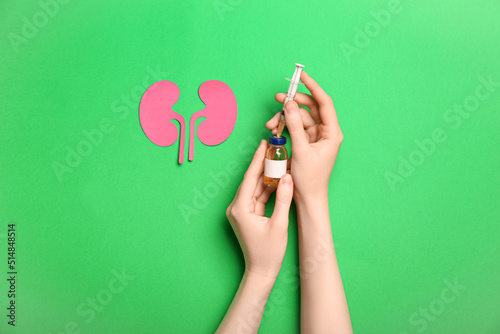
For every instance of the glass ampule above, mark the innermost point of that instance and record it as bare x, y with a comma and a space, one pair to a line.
276, 161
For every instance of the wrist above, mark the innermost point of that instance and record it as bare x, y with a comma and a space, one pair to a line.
257, 280
313, 199
313, 214
257, 287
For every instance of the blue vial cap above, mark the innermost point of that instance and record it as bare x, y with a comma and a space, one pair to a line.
277, 140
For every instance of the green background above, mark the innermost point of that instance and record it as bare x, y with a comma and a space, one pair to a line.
121, 208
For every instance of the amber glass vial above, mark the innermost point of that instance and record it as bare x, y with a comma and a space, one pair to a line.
276, 161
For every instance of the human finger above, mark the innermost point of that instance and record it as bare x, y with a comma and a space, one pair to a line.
260, 202
325, 102
303, 100
253, 172
295, 126
284, 195
307, 120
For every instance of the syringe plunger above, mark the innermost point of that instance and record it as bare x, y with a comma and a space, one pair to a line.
294, 83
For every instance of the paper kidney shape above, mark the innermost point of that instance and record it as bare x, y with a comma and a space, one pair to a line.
220, 115
156, 115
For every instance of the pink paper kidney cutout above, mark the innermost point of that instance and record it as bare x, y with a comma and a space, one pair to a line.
156, 115
220, 115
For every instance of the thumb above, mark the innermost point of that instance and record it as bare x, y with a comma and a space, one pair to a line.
284, 195
295, 125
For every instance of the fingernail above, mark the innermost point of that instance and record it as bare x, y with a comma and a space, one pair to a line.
291, 106
286, 179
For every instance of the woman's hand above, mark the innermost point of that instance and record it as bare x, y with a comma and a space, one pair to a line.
316, 139
315, 136
262, 240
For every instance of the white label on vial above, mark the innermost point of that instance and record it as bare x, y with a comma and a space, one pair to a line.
275, 168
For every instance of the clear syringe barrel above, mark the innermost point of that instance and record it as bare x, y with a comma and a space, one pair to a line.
292, 90
294, 84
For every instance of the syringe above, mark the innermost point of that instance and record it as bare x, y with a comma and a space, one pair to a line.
292, 90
